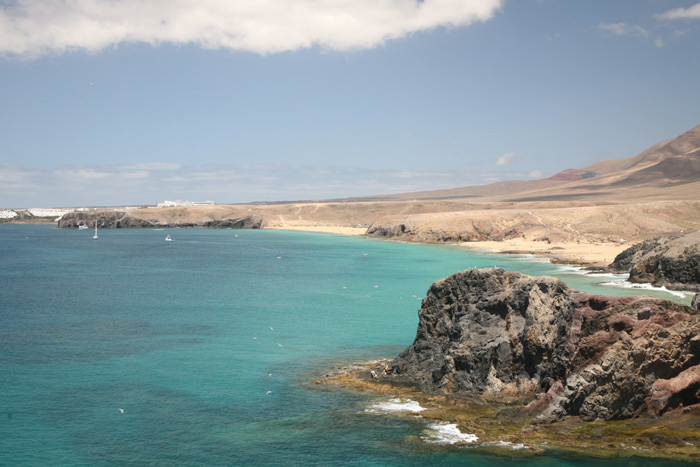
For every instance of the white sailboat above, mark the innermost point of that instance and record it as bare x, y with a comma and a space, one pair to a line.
168, 239
95, 236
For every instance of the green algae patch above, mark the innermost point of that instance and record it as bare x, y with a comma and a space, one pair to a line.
673, 436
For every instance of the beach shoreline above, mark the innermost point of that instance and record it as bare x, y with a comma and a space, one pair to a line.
595, 255
332, 229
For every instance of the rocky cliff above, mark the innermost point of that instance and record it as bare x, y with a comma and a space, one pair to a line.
470, 228
510, 338
123, 220
673, 263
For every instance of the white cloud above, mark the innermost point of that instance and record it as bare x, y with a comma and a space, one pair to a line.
150, 166
31, 28
11, 173
114, 185
81, 174
505, 159
622, 29
692, 12
659, 42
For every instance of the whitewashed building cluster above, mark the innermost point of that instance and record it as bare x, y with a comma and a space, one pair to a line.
45, 212
172, 204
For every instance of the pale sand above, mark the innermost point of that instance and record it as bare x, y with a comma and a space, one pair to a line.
589, 254
353, 231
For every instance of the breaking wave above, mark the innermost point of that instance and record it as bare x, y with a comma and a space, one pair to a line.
395, 406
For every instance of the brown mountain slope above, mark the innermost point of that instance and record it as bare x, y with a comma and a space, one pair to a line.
479, 191
614, 165
676, 161
666, 170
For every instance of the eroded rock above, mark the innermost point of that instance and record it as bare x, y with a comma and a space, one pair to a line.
672, 263
122, 220
507, 337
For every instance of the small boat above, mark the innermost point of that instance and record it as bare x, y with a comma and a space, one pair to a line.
82, 227
95, 236
168, 239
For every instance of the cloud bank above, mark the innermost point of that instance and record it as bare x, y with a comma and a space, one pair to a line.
139, 184
622, 29
692, 12
32, 28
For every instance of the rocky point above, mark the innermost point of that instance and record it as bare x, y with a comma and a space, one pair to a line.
553, 351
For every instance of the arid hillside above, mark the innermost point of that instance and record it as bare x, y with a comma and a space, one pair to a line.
668, 170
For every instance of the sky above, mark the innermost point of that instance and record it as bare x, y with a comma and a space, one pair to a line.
133, 102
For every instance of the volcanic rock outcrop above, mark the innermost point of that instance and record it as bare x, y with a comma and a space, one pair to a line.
673, 263
510, 338
488, 226
122, 220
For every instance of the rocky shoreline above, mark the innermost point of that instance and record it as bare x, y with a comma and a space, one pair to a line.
529, 360
673, 263
122, 220
675, 437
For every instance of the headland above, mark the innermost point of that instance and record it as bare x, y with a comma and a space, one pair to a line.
529, 361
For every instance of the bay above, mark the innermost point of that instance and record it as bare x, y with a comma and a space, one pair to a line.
130, 350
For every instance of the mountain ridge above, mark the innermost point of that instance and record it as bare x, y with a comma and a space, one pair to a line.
667, 163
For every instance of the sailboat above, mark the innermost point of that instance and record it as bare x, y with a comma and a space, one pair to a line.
95, 236
168, 239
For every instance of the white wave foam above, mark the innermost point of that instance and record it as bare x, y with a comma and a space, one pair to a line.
395, 406
619, 280
530, 258
629, 285
573, 269
506, 444
609, 274
448, 433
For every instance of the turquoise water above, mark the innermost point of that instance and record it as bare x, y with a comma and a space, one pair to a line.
209, 343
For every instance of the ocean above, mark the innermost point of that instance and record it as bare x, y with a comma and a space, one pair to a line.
132, 351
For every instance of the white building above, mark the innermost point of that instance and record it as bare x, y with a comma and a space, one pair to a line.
172, 204
42, 212
7, 214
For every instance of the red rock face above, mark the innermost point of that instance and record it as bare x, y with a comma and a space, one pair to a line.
572, 175
507, 336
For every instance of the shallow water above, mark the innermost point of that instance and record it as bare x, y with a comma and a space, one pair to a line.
207, 343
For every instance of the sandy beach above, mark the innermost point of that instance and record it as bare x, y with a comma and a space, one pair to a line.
334, 229
586, 254
593, 254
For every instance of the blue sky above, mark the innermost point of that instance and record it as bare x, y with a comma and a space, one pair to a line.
126, 102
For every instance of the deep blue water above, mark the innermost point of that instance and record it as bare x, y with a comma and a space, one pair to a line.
209, 344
